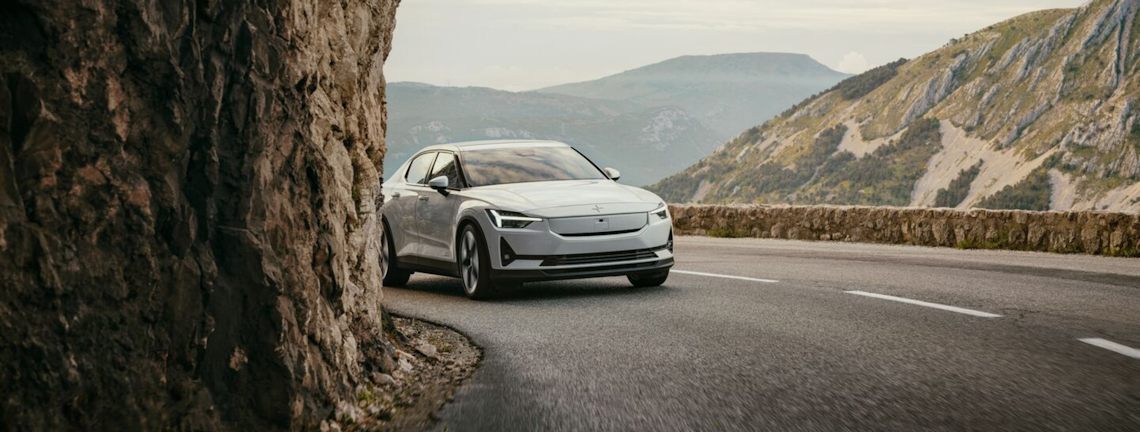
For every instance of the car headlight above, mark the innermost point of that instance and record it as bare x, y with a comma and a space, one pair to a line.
662, 211
510, 219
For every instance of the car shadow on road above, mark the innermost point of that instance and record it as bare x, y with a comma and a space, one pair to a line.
605, 287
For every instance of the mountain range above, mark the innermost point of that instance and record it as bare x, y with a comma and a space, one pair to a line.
648, 122
1038, 112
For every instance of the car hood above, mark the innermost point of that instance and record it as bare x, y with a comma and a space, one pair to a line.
567, 198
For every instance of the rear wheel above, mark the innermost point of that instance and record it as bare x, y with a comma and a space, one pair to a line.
649, 280
389, 268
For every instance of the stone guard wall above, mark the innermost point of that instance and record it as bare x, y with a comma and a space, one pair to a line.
1114, 234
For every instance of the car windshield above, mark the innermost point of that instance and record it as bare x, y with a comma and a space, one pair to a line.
494, 166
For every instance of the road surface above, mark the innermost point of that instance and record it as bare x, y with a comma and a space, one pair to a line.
782, 335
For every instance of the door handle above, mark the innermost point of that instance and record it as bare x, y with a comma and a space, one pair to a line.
423, 198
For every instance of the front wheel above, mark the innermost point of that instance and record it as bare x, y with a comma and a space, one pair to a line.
474, 264
649, 280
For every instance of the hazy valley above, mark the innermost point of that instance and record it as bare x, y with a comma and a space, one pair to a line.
649, 122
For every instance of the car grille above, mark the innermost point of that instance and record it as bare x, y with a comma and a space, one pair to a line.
599, 258
592, 234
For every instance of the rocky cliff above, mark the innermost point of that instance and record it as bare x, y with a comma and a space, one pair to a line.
187, 236
1037, 112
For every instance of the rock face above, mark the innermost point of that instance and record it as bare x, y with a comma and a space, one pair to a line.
1114, 234
187, 235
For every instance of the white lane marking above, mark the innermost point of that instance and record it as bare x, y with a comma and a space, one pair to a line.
927, 304
725, 276
1113, 346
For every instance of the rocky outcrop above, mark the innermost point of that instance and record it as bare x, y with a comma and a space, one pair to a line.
1115, 234
187, 236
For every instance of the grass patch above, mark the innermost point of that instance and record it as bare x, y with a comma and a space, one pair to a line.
368, 396
966, 245
440, 345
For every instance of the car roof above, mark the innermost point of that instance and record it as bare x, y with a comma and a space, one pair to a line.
476, 145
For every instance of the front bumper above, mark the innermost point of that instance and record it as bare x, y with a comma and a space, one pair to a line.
538, 253
585, 272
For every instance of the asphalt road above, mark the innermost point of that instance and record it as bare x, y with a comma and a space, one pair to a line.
796, 350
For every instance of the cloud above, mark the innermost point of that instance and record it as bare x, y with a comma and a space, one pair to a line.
760, 15
527, 44
852, 63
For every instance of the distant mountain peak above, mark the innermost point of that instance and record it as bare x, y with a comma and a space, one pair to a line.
718, 89
755, 65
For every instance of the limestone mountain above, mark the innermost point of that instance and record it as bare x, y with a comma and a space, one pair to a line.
648, 122
1037, 112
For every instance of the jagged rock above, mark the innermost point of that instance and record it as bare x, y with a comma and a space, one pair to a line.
186, 188
383, 379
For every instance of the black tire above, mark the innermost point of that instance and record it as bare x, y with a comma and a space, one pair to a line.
649, 280
474, 264
389, 263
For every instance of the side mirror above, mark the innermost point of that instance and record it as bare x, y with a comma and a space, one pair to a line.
439, 183
613, 174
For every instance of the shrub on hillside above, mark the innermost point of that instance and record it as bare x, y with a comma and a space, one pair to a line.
956, 192
863, 84
773, 177
856, 86
1033, 193
884, 177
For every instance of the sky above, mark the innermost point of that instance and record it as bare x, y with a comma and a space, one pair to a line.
528, 44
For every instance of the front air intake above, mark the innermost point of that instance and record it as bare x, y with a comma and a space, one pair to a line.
506, 254
599, 258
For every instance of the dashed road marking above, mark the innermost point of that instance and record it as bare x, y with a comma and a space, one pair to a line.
1113, 346
725, 276
927, 304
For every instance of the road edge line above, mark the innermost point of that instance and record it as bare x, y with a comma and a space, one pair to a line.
693, 273
948, 308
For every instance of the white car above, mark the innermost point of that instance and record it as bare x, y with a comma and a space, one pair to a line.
499, 213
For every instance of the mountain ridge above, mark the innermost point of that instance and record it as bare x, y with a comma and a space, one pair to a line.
715, 88
703, 60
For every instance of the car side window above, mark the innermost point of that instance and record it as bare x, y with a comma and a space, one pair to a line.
418, 169
446, 165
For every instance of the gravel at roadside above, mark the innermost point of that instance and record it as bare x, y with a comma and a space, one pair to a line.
430, 362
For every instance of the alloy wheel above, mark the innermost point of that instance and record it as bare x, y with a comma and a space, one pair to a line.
469, 259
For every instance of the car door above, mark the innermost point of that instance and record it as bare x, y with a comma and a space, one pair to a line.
405, 227
435, 211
